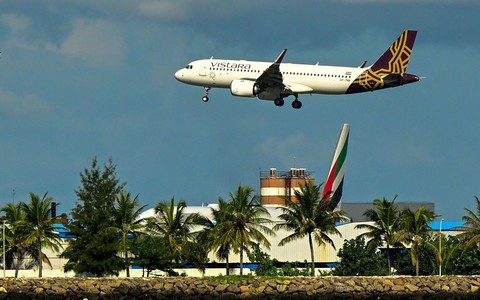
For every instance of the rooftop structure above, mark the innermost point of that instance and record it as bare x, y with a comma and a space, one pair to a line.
278, 186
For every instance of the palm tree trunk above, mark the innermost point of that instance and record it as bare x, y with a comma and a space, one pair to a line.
417, 263
241, 258
125, 250
310, 242
128, 264
18, 263
40, 264
228, 267
389, 260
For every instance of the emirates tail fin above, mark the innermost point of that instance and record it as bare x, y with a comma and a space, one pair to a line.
333, 186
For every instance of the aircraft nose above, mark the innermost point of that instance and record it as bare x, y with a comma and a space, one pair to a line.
179, 75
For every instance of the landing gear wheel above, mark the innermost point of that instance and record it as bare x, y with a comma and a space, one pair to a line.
205, 98
297, 104
279, 102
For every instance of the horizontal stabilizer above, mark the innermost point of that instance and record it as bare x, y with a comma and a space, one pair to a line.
392, 80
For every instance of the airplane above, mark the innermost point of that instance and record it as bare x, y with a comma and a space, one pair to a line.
276, 81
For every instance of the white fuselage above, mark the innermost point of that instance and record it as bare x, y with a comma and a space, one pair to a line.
303, 78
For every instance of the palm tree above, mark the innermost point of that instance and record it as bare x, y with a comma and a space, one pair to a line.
471, 228
173, 225
211, 237
446, 249
39, 228
310, 217
15, 235
196, 252
245, 221
127, 221
414, 229
383, 231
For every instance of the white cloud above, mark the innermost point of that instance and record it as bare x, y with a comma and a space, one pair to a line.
98, 42
163, 9
16, 23
19, 25
11, 103
183, 9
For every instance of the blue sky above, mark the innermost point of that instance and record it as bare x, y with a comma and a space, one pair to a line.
85, 79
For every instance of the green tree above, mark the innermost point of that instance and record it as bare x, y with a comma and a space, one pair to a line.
15, 236
383, 231
151, 253
173, 225
426, 260
414, 229
357, 260
310, 217
38, 227
471, 228
127, 222
218, 234
94, 250
266, 265
467, 263
246, 223
446, 253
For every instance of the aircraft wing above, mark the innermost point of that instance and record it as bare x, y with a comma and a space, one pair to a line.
272, 77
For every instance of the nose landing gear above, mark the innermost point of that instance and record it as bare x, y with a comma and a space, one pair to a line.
205, 98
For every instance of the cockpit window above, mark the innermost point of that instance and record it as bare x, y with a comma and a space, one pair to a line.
189, 67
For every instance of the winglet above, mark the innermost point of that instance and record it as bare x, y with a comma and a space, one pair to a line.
280, 57
334, 184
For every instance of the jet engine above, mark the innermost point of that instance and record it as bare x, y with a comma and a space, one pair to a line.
244, 88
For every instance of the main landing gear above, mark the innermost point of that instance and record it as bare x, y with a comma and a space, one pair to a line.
279, 102
295, 104
205, 98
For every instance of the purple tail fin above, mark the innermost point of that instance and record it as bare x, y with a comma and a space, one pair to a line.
395, 59
389, 70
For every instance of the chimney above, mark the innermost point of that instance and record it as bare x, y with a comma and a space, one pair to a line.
53, 210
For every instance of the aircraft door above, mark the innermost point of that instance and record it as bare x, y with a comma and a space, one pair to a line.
203, 69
